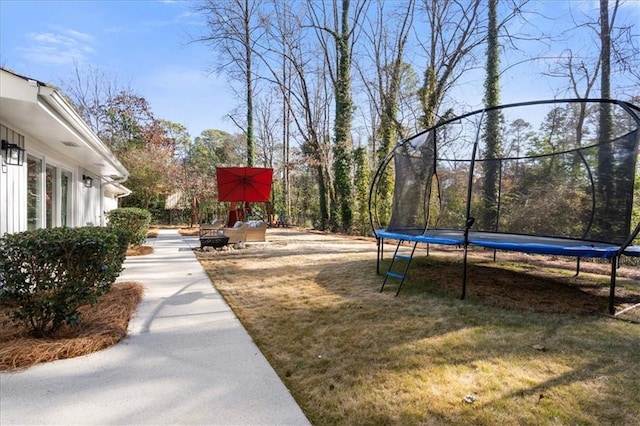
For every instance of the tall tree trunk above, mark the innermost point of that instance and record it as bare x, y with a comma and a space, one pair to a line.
249, 81
492, 135
605, 156
362, 182
286, 132
344, 113
322, 189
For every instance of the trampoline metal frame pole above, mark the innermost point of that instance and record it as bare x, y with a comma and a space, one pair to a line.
612, 286
380, 244
497, 224
469, 220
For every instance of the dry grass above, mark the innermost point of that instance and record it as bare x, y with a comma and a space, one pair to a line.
139, 250
352, 355
102, 325
188, 231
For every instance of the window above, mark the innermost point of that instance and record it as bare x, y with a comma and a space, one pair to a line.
50, 195
34, 193
65, 198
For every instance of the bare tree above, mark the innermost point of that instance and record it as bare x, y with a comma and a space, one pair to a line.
267, 124
233, 33
386, 38
454, 34
582, 68
337, 33
615, 47
303, 89
90, 90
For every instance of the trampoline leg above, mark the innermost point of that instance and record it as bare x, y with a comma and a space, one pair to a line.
464, 273
612, 287
378, 242
468, 226
577, 266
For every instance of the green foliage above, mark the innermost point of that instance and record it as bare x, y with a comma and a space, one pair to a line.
362, 182
132, 222
214, 148
47, 274
152, 175
342, 147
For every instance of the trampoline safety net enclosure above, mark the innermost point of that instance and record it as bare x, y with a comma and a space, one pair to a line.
550, 177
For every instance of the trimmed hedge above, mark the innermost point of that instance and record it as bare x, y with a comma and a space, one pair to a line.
47, 274
132, 221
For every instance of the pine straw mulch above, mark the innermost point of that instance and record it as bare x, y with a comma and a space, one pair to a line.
102, 325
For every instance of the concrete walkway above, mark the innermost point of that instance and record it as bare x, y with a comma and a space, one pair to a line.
187, 360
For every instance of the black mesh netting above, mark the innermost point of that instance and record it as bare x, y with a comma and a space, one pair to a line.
564, 169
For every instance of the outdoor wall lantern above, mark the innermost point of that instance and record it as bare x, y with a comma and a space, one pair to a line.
87, 181
14, 154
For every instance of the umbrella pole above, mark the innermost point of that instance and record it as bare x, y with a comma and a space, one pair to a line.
233, 214
247, 210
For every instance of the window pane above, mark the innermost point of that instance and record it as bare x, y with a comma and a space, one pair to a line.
65, 194
50, 195
34, 193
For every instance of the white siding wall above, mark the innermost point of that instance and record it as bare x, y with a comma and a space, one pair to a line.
90, 211
87, 204
13, 180
110, 202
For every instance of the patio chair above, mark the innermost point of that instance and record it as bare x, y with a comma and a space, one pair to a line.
256, 231
237, 234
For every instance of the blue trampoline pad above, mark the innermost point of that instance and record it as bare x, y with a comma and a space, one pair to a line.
543, 245
633, 251
433, 236
511, 242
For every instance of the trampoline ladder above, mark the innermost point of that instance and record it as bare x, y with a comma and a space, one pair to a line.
401, 257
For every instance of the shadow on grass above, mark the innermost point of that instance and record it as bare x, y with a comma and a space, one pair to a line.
351, 354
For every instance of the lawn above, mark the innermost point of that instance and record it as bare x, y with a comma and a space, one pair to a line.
527, 345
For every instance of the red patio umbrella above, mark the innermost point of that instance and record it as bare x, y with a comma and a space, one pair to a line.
249, 184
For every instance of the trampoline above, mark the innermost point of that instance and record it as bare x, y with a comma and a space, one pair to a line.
563, 179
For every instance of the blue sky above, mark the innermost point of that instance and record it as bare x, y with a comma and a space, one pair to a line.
142, 43
145, 45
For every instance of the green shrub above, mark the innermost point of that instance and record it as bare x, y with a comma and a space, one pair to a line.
132, 221
47, 274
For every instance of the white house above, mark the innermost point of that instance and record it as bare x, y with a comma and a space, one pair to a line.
55, 170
